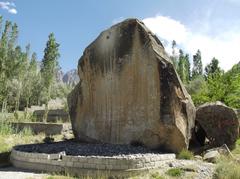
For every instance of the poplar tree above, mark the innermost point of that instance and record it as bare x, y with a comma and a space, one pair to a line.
4, 72
187, 68
197, 69
180, 68
30, 79
49, 66
212, 67
173, 56
183, 67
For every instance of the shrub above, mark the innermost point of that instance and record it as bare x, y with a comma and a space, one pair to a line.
175, 172
185, 154
227, 169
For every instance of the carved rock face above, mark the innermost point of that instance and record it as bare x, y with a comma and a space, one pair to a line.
129, 92
219, 122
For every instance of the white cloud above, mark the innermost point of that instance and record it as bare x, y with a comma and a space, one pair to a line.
167, 28
224, 46
12, 11
9, 6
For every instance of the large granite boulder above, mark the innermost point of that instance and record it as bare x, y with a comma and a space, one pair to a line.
219, 122
129, 92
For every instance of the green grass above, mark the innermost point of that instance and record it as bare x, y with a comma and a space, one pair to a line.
185, 154
156, 176
6, 128
59, 177
10, 137
18, 116
26, 132
227, 168
8, 141
68, 176
21, 116
236, 151
175, 172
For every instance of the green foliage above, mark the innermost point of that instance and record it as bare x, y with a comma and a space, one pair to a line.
197, 69
14, 65
60, 90
22, 81
212, 68
173, 56
216, 86
175, 172
49, 68
185, 154
49, 62
197, 88
183, 67
232, 82
181, 63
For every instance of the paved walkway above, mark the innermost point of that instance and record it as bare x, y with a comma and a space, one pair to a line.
13, 173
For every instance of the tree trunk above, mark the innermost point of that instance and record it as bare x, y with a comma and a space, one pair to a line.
46, 107
4, 105
27, 105
17, 101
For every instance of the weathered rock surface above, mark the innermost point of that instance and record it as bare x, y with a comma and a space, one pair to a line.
211, 156
219, 122
129, 92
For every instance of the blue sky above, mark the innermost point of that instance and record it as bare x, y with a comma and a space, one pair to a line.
213, 26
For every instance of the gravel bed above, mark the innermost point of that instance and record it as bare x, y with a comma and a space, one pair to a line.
84, 149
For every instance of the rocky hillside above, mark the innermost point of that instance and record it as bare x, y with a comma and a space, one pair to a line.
70, 77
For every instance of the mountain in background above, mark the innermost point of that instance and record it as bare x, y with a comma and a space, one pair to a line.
71, 77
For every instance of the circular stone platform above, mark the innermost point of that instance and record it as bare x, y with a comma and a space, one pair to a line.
88, 159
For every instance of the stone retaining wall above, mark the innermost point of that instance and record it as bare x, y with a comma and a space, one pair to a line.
38, 127
89, 165
53, 115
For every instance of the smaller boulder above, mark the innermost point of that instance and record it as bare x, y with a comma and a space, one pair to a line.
211, 156
219, 122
